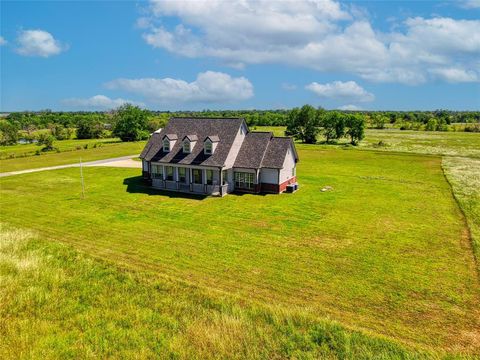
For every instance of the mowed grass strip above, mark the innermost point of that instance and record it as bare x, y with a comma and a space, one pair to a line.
66, 305
386, 251
107, 150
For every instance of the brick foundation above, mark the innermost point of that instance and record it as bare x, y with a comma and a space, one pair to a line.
283, 186
275, 188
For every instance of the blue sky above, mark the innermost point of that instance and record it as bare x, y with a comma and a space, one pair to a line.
177, 55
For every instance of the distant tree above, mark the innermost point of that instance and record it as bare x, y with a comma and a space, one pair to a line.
8, 133
303, 124
431, 124
355, 128
89, 129
333, 125
156, 122
46, 140
379, 121
131, 123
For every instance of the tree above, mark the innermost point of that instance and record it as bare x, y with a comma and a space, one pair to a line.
303, 124
355, 128
333, 125
89, 129
8, 133
46, 140
131, 123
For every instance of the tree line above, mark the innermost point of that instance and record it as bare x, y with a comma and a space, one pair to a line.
92, 125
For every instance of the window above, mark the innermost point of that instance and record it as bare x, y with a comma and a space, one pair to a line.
182, 175
244, 180
209, 177
166, 145
186, 147
197, 176
293, 171
208, 147
224, 177
169, 172
157, 171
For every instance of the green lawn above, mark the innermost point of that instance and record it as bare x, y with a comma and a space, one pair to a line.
107, 150
386, 252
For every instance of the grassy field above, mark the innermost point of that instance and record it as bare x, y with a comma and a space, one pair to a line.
420, 142
66, 305
107, 150
23, 150
424, 142
386, 253
464, 177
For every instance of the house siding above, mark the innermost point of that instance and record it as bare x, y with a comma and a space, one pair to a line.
237, 144
288, 166
269, 176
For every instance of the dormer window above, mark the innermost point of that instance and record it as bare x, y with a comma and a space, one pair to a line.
189, 142
166, 145
186, 146
210, 144
168, 142
208, 147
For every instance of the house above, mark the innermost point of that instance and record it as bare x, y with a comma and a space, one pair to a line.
216, 156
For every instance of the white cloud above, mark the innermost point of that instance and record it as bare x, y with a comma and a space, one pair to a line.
320, 35
98, 102
455, 75
350, 107
3, 41
208, 87
470, 4
38, 43
348, 90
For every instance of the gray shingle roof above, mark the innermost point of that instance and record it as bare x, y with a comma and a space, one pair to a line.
191, 137
259, 149
276, 152
171, 136
252, 150
213, 138
226, 130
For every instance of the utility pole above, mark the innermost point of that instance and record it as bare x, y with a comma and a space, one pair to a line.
81, 177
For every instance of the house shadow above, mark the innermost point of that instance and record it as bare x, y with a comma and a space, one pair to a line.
136, 185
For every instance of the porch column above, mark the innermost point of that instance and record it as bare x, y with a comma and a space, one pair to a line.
175, 174
190, 180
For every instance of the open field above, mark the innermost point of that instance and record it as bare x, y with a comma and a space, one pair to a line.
67, 305
386, 252
107, 150
22, 150
425, 142
420, 142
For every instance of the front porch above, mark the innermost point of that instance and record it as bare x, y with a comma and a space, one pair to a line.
195, 180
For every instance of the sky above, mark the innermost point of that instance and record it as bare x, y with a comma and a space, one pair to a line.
195, 55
